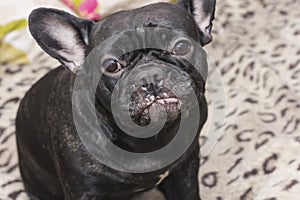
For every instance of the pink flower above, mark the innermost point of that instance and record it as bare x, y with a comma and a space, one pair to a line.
87, 9
68, 3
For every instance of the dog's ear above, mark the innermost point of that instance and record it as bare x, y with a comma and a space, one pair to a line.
203, 12
62, 35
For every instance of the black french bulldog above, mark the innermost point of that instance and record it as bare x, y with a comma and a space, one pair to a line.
54, 163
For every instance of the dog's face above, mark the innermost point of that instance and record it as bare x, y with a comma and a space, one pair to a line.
158, 71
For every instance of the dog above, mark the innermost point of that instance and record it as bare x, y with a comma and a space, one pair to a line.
54, 162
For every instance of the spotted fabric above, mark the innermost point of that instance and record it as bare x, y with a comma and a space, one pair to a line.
257, 50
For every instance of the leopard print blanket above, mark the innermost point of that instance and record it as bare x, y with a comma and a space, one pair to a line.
256, 50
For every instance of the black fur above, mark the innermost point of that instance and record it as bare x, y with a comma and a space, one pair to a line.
54, 164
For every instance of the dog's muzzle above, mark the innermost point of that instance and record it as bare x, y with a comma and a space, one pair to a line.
146, 104
157, 89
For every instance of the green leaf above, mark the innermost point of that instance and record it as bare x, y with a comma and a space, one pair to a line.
77, 3
12, 26
12, 55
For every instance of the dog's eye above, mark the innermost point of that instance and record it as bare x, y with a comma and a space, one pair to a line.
181, 48
112, 66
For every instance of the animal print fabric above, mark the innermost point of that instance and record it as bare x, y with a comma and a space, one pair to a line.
256, 49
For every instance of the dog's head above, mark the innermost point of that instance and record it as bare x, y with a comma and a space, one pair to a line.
158, 67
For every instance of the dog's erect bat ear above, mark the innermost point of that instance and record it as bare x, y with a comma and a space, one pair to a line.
203, 12
62, 35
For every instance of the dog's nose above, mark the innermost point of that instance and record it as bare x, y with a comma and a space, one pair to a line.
151, 79
151, 88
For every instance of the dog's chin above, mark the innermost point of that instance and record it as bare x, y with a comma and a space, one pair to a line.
161, 109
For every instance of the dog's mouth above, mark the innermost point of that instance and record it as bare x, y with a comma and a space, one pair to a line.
145, 108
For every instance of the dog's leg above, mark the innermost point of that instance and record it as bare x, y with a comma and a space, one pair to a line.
182, 184
32, 197
149, 195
